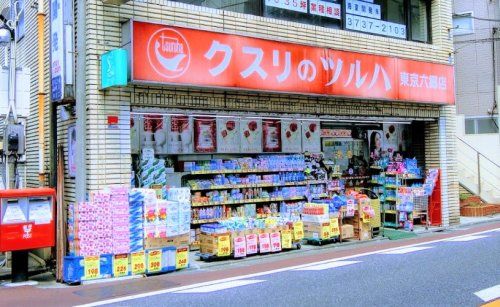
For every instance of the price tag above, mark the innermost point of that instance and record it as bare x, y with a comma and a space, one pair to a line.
223, 246
138, 261
251, 244
240, 247
275, 242
92, 267
325, 231
264, 243
181, 258
154, 261
334, 227
286, 239
298, 230
120, 265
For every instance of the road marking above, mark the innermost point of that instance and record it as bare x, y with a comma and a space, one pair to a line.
406, 250
165, 291
467, 239
489, 294
331, 265
221, 286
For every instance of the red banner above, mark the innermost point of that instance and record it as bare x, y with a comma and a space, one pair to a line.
172, 55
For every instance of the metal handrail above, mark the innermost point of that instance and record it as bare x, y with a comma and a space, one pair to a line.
477, 151
479, 155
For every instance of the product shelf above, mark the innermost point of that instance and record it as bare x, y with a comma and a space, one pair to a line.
259, 185
243, 171
391, 186
206, 221
247, 201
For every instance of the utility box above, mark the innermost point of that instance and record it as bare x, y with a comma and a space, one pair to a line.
27, 219
14, 139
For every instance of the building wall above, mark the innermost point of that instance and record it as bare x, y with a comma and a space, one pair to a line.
474, 58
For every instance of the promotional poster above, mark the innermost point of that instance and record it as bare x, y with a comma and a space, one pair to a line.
228, 135
251, 135
180, 134
311, 137
272, 135
290, 136
205, 134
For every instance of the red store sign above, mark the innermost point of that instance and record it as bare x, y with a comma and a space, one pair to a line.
173, 55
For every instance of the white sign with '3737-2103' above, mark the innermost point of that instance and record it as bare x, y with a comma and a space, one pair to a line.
292, 5
375, 26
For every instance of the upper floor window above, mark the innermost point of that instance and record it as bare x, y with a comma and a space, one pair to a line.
404, 19
480, 125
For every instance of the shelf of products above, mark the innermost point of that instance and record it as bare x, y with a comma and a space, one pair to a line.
194, 188
247, 201
243, 171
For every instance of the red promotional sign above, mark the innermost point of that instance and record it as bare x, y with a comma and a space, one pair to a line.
172, 55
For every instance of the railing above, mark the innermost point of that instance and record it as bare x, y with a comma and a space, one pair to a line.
484, 173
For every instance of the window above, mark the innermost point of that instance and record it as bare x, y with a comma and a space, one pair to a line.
419, 20
463, 23
252, 7
481, 125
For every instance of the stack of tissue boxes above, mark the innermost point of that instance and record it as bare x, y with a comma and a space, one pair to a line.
153, 172
150, 213
121, 220
179, 211
136, 220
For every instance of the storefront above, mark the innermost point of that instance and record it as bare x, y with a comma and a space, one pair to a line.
234, 145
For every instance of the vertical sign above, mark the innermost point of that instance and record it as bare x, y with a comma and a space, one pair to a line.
251, 135
72, 151
311, 136
290, 136
228, 135
56, 50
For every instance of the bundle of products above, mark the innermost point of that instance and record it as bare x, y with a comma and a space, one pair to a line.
270, 162
120, 220
152, 170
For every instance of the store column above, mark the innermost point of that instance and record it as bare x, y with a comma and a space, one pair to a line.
448, 164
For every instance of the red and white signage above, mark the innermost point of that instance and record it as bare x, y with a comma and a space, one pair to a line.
173, 55
275, 242
251, 244
324, 8
240, 248
264, 243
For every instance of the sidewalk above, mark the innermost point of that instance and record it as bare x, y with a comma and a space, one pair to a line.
47, 280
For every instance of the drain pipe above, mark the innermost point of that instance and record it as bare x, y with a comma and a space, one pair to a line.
41, 93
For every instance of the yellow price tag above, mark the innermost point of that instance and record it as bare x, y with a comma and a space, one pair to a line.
138, 263
325, 231
286, 239
120, 265
223, 246
334, 227
298, 230
366, 218
181, 258
154, 261
92, 267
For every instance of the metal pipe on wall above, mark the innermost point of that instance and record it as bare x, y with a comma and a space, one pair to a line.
41, 93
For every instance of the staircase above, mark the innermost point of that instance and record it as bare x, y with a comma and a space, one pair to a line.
477, 173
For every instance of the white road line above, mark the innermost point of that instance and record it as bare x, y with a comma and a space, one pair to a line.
221, 286
466, 239
406, 250
331, 265
165, 291
489, 294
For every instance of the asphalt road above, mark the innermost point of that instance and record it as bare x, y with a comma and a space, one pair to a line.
444, 273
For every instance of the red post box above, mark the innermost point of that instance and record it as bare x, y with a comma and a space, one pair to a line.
27, 219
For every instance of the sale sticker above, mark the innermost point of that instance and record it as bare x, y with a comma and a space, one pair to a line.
138, 261
325, 231
181, 258
240, 247
223, 246
298, 230
92, 267
251, 244
120, 265
286, 239
275, 242
154, 261
334, 227
264, 243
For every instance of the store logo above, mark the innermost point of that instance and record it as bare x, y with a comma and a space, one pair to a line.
168, 53
27, 231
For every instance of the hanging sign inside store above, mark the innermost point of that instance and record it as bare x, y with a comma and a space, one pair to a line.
228, 135
138, 261
290, 136
181, 258
120, 265
251, 244
92, 267
251, 135
336, 133
173, 55
311, 137
154, 261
